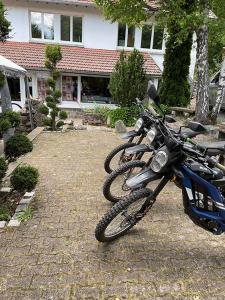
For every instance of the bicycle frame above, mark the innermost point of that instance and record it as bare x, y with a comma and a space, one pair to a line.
212, 191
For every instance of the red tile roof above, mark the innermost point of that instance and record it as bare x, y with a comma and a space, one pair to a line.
78, 60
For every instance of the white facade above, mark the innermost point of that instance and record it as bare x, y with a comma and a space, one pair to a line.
97, 32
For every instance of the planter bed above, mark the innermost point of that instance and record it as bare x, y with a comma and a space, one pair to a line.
94, 119
16, 204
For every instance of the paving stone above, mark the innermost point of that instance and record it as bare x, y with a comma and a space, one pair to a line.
26, 200
29, 194
21, 207
6, 189
2, 224
13, 223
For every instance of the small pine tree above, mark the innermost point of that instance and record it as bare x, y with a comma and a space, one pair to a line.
53, 56
128, 80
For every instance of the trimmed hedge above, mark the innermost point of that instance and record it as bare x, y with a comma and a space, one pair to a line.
18, 145
24, 178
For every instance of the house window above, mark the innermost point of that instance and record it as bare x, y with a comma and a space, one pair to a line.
48, 27
65, 28
42, 26
77, 30
158, 38
36, 25
126, 36
96, 90
71, 29
130, 37
146, 36
152, 37
14, 88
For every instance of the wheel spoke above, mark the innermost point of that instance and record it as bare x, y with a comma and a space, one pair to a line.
124, 219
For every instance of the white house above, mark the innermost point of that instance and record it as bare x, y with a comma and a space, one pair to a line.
90, 47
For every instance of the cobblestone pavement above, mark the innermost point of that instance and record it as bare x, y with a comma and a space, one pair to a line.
55, 255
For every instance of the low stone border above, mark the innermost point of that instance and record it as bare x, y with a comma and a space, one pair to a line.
34, 133
23, 205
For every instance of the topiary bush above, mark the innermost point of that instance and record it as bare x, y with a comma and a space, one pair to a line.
18, 145
50, 109
3, 168
24, 178
127, 115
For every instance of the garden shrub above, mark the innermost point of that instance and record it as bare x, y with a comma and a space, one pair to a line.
43, 109
60, 124
24, 178
8, 119
128, 80
3, 168
164, 109
127, 115
4, 126
18, 145
47, 122
13, 117
102, 110
5, 214
63, 115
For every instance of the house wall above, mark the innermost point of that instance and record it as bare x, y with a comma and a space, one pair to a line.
98, 33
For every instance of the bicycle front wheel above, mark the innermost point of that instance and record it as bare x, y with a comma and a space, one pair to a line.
121, 217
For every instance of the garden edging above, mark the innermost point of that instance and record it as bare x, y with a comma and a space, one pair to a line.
23, 205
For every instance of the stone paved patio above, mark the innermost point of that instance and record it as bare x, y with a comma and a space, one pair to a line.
55, 255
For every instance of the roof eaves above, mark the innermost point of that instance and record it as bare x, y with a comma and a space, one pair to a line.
68, 2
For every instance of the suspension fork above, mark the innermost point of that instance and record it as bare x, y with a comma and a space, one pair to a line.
152, 197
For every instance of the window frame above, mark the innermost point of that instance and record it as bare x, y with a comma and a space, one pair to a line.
153, 25
126, 37
71, 30
42, 26
57, 28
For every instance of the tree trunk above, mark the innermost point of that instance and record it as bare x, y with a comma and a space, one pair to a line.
202, 99
220, 94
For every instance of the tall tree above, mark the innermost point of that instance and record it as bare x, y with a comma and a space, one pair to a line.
220, 94
216, 35
4, 34
174, 88
4, 24
195, 19
202, 99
